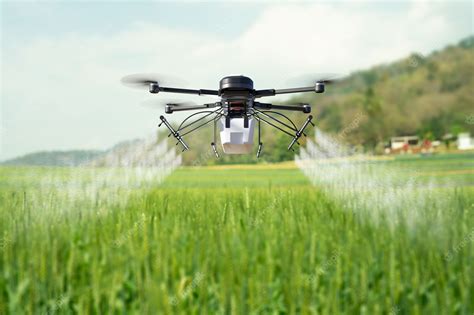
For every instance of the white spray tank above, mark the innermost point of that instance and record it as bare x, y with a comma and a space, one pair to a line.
237, 139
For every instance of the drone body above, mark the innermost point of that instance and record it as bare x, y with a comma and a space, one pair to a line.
235, 115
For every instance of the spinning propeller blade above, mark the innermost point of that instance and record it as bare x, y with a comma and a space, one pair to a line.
308, 80
160, 104
143, 80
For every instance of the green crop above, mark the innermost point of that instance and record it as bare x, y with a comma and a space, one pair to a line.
225, 241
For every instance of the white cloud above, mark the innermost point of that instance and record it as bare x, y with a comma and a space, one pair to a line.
64, 92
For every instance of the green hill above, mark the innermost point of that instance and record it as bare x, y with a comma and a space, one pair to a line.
429, 96
425, 95
55, 158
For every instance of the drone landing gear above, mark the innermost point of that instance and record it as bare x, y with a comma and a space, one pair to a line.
227, 122
260, 144
289, 129
180, 133
174, 133
213, 145
259, 150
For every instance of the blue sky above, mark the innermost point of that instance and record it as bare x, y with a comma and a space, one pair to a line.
62, 62
25, 21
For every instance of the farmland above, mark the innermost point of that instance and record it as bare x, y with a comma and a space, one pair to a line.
231, 240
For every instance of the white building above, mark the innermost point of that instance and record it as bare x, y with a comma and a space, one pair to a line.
400, 142
465, 142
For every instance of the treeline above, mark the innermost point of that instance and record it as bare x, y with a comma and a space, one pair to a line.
429, 96
55, 158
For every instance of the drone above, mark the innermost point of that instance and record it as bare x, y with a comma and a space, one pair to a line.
235, 115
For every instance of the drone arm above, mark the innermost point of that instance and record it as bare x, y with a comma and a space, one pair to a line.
317, 88
262, 93
154, 88
305, 108
295, 90
170, 108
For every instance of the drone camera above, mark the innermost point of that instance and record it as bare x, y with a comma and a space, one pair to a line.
319, 87
154, 88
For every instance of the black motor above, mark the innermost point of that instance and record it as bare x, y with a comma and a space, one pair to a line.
236, 83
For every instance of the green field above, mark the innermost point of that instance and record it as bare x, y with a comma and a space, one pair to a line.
237, 240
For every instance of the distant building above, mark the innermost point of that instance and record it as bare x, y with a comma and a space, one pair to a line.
410, 144
397, 143
465, 142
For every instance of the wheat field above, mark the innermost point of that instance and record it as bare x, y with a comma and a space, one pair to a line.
216, 240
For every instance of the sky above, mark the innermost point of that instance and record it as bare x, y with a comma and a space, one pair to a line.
61, 62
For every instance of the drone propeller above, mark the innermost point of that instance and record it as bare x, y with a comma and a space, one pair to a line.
326, 78
143, 80
160, 104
